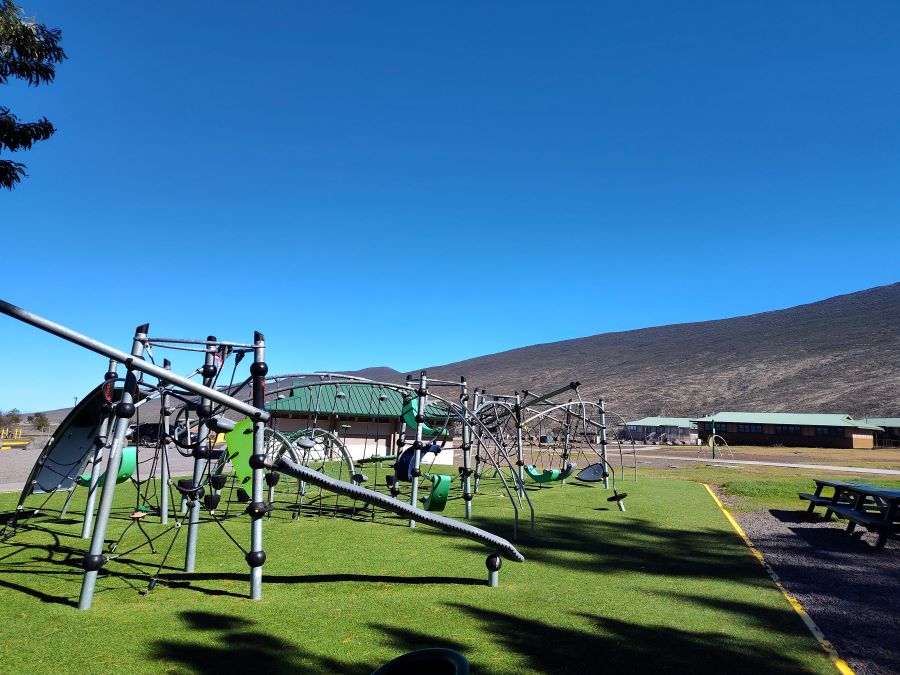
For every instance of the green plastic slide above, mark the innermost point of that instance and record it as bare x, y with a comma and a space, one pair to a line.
240, 448
409, 417
126, 469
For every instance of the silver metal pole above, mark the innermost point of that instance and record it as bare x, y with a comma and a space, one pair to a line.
257, 507
201, 457
520, 454
164, 449
130, 361
124, 410
466, 449
417, 446
478, 445
101, 441
603, 445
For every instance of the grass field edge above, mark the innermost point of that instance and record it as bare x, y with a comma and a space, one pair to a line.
842, 666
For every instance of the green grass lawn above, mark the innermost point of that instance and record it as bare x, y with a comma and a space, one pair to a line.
666, 586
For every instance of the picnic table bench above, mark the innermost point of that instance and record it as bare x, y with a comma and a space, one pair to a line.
875, 508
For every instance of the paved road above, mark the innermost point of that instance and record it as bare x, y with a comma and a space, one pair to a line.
818, 467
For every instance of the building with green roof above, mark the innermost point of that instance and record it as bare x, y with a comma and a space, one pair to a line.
824, 430
890, 437
663, 430
365, 417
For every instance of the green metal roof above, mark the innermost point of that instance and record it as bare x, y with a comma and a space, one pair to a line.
882, 421
798, 419
680, 422
359, 400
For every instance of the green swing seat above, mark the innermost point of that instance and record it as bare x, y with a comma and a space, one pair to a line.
548, 475
126, 469
440, 491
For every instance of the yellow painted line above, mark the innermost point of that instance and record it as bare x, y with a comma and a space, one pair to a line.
839, 663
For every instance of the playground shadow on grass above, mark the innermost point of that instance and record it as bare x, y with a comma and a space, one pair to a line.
618, 646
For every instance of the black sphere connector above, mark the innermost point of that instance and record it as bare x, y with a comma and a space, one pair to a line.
209, 371
519, 462
92, 563
124, 409
257, 461
420, 419
106, 408
417, 445
467, 496
494, 562
272, 478
111, 375
415, 473
201, 452
257, 509
204, 410
255, 558
259, 368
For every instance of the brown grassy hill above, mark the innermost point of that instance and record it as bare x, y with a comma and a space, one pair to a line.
837, 355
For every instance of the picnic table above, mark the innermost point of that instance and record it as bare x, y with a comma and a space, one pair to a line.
875, 508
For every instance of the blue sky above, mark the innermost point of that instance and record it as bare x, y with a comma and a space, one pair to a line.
410, 184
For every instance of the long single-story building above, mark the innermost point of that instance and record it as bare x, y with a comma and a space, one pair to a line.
890, 437
815, 430
662, 430
366, 418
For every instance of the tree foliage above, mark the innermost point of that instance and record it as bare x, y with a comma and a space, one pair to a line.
11, 418
29, 51
40, 421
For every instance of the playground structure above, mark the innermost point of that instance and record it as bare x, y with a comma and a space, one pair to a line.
545, 438
96, 430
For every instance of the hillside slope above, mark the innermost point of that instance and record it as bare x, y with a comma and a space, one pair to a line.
837, 355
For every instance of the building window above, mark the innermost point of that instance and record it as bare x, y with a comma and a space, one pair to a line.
788, 429
750, 428
830, 431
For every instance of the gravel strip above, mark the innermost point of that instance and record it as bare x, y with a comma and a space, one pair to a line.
850, 590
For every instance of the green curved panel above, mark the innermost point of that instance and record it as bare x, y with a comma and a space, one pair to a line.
409, 417
126, 469
240, 447
440, 491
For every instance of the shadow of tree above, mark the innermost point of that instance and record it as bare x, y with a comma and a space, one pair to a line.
237, 647
634, 545
622, 647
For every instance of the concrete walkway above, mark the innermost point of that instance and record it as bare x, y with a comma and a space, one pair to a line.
817, 467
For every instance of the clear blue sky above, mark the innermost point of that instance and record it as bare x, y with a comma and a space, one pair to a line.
410, 184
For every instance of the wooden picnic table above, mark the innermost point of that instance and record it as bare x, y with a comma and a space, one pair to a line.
875, 508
